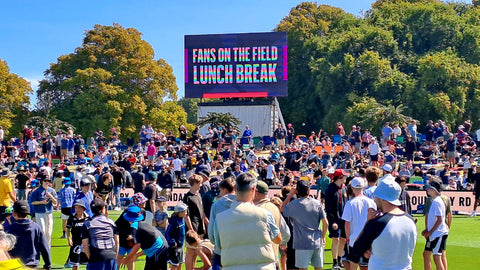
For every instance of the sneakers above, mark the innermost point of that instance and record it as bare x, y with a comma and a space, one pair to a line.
117, 209
336, 267
63, 236
473, 214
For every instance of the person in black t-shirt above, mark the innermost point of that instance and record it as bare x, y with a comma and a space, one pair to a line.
21, 181
195, 219
104, 189
138, 178
151, 194
74, 226
118, 184
148, 238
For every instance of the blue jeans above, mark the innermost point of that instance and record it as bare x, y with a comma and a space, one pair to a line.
216, 264
21, 194
116, 192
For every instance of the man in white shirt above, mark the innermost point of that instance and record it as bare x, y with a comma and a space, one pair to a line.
177, 167
271, 174
436, 231
373, 150
355, 214
32, 146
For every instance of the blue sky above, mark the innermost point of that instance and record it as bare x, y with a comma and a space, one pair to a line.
34, 34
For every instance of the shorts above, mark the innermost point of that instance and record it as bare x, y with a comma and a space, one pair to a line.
63, 152
77, 256
175, 256
158, 260
409, 157
104, 265
151, 158
450, 154
124, 251
340, 232
65, 212
71, 154
281, 142
32, 154
304, 257
357, 146
374, 157
437, 245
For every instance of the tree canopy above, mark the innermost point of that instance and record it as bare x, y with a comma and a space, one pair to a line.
14, 99
111, 80
417, 59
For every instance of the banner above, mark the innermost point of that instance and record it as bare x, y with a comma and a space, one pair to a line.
236, 65
462, 201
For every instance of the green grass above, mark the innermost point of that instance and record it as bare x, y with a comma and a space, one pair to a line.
463, 244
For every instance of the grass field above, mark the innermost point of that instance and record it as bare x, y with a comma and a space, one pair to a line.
463, 244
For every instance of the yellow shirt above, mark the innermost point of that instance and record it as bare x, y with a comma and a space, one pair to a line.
5, 189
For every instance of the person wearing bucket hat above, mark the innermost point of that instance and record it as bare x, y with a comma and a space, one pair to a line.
387, 225
146, 237
437, 230
335, 199
65, 197
74, 227
175, 236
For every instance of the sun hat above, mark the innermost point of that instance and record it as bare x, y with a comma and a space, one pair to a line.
262, 187
81, 203
133, 214
340, 172
435, 185
138, 198
180, 208
389, 191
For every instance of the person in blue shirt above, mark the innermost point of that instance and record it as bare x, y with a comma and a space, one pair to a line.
65, 196
42, 200
248, 133
84, 194
176, 236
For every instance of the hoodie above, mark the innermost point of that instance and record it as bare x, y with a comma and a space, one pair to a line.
30, 242
223, 204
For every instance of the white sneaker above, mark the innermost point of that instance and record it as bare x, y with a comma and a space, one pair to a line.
117, 209
473, 214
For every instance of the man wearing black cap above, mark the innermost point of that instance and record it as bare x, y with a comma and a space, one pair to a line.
245, 233
100, 239
43, 199
31, 241
150, 193
306, 214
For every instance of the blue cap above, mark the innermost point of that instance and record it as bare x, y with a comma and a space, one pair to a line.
67, 181
389, 191
134, 213
81, 203
180, 208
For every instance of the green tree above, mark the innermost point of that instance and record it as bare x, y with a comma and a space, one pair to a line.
14, 100
226, 119
111, 80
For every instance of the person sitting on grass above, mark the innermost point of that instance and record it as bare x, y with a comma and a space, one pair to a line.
176, 236
74, 227
203, 248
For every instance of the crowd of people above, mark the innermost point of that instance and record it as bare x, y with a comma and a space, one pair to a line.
251, 204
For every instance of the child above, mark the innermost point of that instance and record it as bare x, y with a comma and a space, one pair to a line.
176, 235
74, 226
203, 248
160, 218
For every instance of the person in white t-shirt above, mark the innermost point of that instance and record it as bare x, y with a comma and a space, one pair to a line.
2, 134
177, 168
271, 174
355, 214
436, 231
373, 150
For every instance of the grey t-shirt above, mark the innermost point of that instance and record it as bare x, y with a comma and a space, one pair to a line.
306, 214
